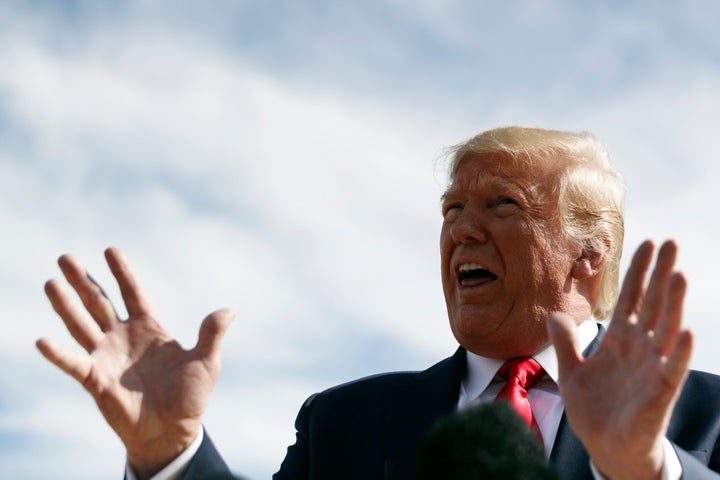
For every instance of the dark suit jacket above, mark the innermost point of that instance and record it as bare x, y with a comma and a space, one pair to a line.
372, 428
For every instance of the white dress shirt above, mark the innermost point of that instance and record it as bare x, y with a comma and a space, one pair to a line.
481, 384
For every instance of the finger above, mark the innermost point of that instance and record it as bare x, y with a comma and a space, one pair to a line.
212, 330
131, 290
563, 334
83, 330
678, 363
75, 365
103, 293
92, 296
633, 285
654, 298
670, 321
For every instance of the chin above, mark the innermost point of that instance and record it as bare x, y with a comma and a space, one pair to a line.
499, 346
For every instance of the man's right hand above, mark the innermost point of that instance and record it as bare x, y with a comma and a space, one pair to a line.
150, 390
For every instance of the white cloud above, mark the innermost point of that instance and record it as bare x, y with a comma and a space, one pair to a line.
303, 203
226, 188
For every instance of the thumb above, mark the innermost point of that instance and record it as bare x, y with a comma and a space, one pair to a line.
212, 330
563, 334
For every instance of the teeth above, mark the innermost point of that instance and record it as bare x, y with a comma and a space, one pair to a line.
467, 267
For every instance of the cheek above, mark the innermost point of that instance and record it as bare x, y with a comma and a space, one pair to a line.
444, 236
444, 271
445, 249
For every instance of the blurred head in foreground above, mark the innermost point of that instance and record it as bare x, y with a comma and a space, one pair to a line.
487, 441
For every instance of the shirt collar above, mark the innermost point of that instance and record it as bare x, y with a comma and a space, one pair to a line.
482, 370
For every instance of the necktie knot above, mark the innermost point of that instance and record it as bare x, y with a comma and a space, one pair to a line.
524, 371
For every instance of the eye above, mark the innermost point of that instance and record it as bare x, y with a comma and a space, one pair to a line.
451, 211
504, 206
500, 201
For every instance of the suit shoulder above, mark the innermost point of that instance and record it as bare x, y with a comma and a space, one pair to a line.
696, 402
702, 383
378, 384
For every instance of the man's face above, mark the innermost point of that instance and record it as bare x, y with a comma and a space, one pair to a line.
505, 261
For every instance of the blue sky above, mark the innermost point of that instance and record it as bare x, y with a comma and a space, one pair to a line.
281, 158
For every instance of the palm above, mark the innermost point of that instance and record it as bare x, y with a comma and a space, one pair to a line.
150, 390
138, 386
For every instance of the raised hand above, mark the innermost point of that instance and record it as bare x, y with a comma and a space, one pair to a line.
150, 390
619, 400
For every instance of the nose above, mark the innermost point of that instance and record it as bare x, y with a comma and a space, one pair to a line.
468, 227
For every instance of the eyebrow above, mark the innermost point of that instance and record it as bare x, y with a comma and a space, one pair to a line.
492, 181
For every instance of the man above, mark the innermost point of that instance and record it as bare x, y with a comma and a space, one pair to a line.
530, 246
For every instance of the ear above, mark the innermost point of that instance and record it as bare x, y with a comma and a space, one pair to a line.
588, 264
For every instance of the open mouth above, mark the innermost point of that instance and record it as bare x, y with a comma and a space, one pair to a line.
473, 274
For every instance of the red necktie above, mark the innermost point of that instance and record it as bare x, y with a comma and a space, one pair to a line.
521, 374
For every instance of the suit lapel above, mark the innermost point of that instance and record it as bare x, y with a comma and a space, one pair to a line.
568, 456
414, 407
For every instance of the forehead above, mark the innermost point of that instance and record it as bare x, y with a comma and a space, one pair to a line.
500, 170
